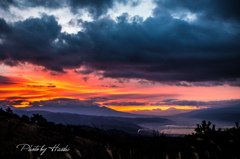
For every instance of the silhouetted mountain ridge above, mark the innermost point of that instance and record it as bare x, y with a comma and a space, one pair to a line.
126, 124
231, 114
83, 110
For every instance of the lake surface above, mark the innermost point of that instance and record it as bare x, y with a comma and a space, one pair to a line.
183, 126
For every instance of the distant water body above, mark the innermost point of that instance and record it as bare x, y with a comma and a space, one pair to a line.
183, 126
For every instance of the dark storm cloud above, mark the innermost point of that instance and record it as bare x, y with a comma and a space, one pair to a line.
35, 41
23, 4
145, 60
4, 27
95, 7
4, 4
210, 9
164, 49
161, 48
42, 3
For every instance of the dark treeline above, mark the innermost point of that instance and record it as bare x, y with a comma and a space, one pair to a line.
91, 142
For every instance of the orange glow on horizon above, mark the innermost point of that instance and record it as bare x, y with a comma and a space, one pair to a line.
133, 108
28, 83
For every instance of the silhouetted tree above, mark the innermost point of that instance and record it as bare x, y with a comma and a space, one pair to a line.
205, 127
9, 111
38, 119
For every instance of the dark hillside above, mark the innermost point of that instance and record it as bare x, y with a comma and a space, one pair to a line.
93, 143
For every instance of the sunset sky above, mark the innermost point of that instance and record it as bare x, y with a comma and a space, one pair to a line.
158, 57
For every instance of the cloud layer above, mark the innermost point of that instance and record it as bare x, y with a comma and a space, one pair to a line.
162, 48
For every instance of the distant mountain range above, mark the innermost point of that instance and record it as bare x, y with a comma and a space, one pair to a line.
230, 114
83, 110
127, 124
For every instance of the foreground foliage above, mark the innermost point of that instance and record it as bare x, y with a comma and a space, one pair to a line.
91, 143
